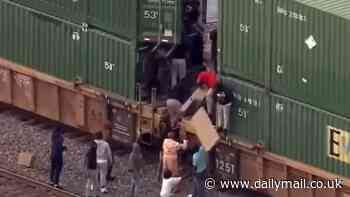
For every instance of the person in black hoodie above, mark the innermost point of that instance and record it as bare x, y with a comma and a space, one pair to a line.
57, 149
223, 108
91, 167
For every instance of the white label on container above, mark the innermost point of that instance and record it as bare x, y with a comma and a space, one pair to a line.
310, 42
108, 66
291, 14
244, 28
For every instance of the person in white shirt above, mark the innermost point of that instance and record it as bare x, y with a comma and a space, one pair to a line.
104, 158
169, 184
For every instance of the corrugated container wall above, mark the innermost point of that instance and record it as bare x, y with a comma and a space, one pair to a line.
249, 111
43, 43
309, 54
245, 39
67, 51
129, 19
72, 10
289, 128
116, 16
310, 135
111, 63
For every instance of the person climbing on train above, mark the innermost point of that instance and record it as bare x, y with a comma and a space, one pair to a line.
91, 167
179, 95
224, 100
104, 158
135, 164
207, 80
170, 153
57, 150
169, 184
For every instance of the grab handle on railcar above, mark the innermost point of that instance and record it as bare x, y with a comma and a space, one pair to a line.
154, 96
138, 92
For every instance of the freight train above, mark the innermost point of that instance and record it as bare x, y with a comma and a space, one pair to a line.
283, 64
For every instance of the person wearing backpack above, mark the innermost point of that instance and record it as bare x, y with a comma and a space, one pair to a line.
91, 168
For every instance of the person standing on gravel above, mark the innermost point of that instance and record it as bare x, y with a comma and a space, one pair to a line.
109, 128
200, 164
170, 153
57, 149
104, 158
169, 184
135, 164
91, 166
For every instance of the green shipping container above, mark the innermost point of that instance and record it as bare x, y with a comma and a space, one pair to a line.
249, 111
161, 20
310, 60
116, 16
67, 51
304, 133
155, 20
289, 128
72, 10
45, 44
111, 63
245, 39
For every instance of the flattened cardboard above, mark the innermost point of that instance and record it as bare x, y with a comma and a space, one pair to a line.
194, 102
25, 159
205, 130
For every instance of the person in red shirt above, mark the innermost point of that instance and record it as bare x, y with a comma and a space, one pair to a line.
207, 80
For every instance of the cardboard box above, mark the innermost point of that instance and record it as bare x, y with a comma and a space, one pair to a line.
191, 106
204, 129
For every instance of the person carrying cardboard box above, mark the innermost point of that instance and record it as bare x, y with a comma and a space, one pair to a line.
207, 80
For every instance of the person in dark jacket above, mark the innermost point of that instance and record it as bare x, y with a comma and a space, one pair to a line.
91, 167
223, 108
109, 128
57, 149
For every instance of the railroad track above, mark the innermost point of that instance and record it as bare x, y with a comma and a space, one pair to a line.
14, 185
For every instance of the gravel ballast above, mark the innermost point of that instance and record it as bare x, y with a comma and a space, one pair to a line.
18, 136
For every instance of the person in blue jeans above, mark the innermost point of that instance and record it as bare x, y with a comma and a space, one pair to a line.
57, 149
200, 164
